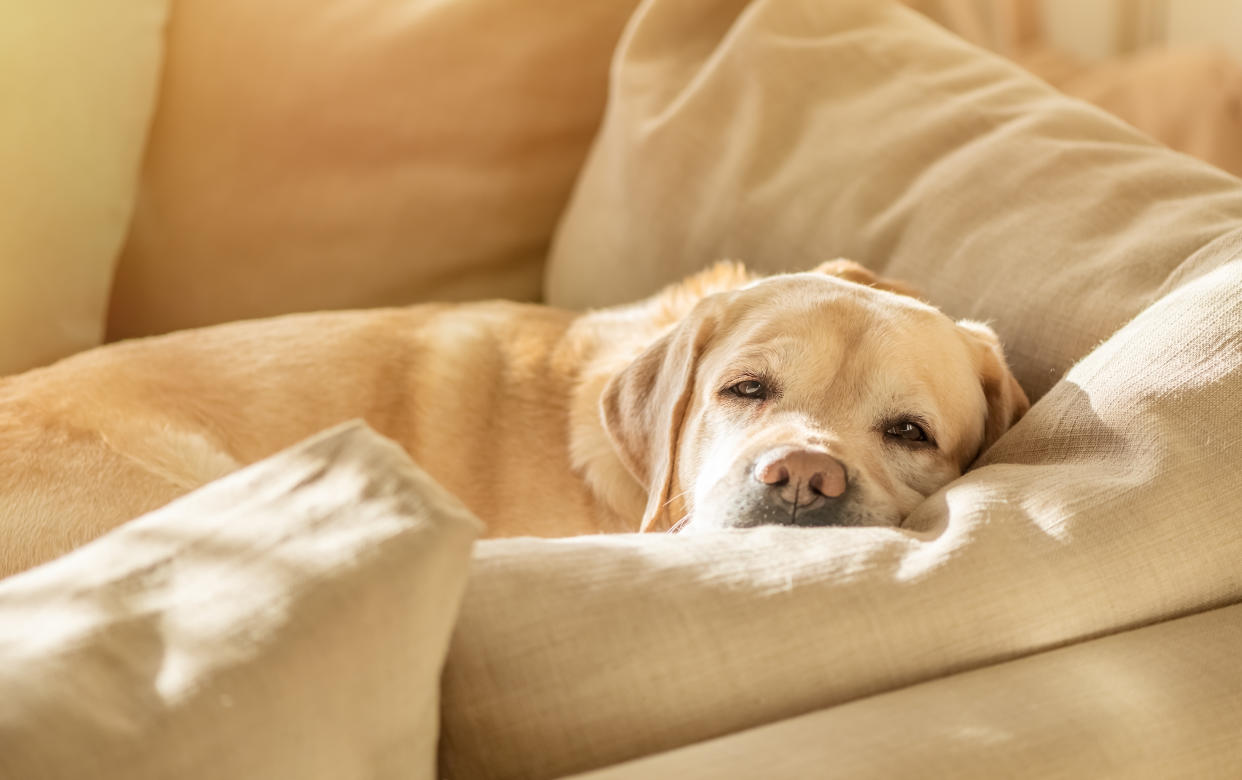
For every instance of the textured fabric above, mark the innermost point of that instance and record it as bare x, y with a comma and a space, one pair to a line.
1189, 99
1004, 26
77, 88
1186, 97
785, 132
289, 620
1159, 702
334, 154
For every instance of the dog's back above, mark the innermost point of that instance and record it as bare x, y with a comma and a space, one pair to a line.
477, 393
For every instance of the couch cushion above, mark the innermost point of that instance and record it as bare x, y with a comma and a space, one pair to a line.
78, 81
785, 132
289, 620
1161, 701
336, 154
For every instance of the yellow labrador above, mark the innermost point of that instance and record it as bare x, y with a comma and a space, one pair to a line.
820, 398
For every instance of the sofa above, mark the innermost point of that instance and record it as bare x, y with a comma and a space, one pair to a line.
1070, 607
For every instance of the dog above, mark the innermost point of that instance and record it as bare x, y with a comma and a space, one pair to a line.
827, 397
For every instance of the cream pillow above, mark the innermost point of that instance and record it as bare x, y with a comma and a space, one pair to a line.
786, 132
289, 620
78, 82
314, 154
1158, 702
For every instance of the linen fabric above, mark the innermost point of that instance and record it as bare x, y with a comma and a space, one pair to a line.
77, 88
1157, 702
289, 620
1185, 96
336, 154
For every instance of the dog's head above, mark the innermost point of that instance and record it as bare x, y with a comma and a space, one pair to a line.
820, 398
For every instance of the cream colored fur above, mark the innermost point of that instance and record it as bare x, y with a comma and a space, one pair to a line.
500, 402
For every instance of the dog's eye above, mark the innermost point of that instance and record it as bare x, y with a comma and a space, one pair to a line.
750, 388
906, 431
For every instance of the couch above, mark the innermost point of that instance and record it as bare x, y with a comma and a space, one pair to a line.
1070, 607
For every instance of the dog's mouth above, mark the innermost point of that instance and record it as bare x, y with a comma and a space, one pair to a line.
740, 513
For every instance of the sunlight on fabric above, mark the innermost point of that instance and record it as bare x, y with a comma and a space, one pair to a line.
983, 736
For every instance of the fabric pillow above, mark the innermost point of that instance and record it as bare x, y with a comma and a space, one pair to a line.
288, 620
1188, 98
1112, 504
78, 80
336, 154
1158, 702
785, 132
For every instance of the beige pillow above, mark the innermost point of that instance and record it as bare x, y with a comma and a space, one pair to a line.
312, 154
1112, 504
786, 132
77, 80
1155, 703
1189, 98
288, 620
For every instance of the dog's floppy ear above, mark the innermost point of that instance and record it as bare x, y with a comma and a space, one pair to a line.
644, 405
1006, 400
854, 272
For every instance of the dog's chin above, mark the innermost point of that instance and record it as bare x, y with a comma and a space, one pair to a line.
752, 512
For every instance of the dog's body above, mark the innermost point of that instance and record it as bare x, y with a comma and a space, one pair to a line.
545, 422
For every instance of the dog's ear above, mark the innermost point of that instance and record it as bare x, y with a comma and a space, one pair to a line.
1006, 400
643, 406
854, 272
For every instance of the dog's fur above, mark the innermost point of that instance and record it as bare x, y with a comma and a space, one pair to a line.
545, 422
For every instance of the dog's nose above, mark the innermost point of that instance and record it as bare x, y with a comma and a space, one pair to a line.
801, 477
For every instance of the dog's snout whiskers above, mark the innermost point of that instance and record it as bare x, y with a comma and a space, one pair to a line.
677, 526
